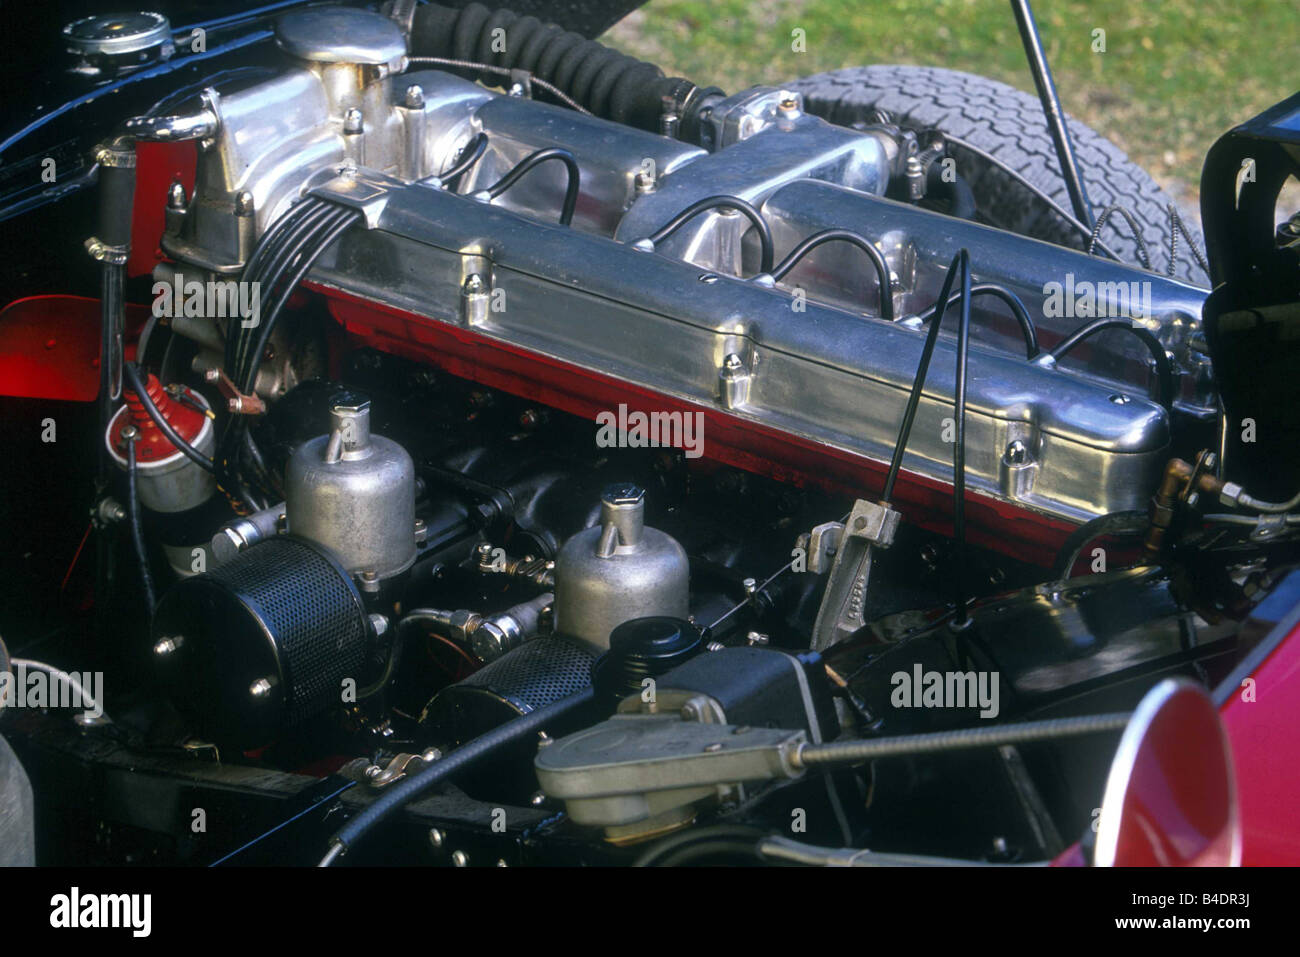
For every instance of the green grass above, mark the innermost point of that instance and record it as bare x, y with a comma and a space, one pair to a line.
1174, 74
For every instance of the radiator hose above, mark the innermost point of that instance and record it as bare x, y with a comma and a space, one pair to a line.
610, 84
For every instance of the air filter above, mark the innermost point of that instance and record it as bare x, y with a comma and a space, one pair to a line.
263, 642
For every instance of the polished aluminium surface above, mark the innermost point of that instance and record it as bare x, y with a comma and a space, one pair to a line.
825, 374
919, 245
619, 570
806, 357
354, 493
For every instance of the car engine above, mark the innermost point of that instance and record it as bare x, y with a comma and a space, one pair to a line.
524, 457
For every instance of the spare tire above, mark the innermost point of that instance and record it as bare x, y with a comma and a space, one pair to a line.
999, 137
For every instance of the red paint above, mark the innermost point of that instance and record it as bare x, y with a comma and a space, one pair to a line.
1178, 805
1265, 738
157, 166
49, 347
1020, 532
152, 445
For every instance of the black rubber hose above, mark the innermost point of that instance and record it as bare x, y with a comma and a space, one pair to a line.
608, 83
533, 160
1116, 523
467, 755
845, 236
1164, 374
136, 385
137, 527
1013, 302
723, 202
961, 200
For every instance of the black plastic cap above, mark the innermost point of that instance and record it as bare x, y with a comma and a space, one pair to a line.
643, 648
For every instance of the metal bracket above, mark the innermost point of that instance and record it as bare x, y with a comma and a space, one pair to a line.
236, 401
870, 524
635, 770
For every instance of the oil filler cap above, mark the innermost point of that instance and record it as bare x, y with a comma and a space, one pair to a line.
643, 648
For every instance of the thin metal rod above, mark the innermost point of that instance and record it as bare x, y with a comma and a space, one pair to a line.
1033, 44
991, 736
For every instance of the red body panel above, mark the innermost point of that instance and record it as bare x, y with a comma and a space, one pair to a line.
1265, 738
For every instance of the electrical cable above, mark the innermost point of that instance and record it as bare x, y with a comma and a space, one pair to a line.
137, 386
535, 159
331, 228
1084, 231
766, 254
1175, 227
1144, 255
846, 236
137, 527
470, 155
297, 242
1164, 373
959, 442
88, 701
918, 382
468, 755
283, 824
1013, 302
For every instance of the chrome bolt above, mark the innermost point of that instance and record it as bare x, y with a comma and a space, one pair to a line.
435, 837
176, 198
459, 859
261, 687
167, 645
353, 122
414, 99
244, 203
1017, 453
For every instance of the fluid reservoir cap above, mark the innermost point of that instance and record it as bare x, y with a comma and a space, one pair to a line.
643, 648
118, 42
342, 35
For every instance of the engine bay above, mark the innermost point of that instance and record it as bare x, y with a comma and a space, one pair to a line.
604, 469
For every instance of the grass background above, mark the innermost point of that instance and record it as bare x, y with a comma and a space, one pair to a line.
1175, 74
